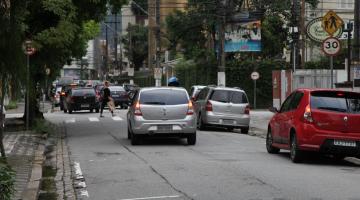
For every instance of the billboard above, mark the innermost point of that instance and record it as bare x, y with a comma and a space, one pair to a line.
243, 37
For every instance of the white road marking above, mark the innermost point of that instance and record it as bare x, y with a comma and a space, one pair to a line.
72, 120
79, 176
159, 197
93, 119
84, 193
117, 118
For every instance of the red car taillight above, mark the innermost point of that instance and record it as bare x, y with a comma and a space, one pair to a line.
137, 111
307, 114
208, 106
190, 110
247, 110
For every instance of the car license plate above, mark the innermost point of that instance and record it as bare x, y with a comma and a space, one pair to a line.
228, 121
84, 105
164, 127
344, 143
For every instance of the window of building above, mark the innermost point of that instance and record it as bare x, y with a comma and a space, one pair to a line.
346, 4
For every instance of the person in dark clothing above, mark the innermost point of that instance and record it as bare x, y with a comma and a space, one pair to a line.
105, 98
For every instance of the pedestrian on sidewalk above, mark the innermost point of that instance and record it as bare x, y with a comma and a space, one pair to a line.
106, 100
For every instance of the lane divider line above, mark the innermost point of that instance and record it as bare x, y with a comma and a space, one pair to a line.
158, 197
94, 119
117, 118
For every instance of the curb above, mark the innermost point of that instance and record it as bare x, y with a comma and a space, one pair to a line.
33, 186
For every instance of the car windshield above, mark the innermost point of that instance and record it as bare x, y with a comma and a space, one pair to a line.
227, 96
335, 101
163, 97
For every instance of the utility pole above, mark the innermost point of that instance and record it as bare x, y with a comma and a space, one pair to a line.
158, 40
295, 33
356, 46
221, 47
106, 53
303, 38
116, 43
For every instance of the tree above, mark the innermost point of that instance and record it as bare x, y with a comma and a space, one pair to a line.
136, 44
58, 28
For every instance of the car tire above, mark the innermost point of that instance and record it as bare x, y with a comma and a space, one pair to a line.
245, 130
230, 129
70, 111
296, 155
128, 133
91, 110
134, 139
65, 110
191, 139
338, 157
200, 125
97, 110
269, 142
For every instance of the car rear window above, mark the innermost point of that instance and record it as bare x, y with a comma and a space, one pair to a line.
336, 101
164, 97
227, 96
119, 88
83, 92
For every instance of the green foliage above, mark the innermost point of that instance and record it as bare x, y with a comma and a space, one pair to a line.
135, 8
273, 35
42, 126
11, 105
7, 181
137, 51
237, 75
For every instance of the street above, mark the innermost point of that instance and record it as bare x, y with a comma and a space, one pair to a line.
222, 165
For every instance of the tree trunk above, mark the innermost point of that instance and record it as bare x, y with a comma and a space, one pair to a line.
3, 90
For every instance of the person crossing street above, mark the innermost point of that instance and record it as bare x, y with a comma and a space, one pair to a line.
106, 100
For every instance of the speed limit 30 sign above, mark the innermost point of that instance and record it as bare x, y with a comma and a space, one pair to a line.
331, 46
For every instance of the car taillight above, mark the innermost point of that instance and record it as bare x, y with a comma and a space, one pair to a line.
190, 110
137, 111
247, 110
62, 94
208, 106
307, 114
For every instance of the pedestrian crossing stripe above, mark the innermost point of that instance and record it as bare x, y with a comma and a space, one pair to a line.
72, 120
93, 119
117, 118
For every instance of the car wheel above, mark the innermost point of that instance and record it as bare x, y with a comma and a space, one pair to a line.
191, 139
65, 110
296, 155
70, 111
134, 139
91, 110
245, 130
97, 110
269, 143
128, 133
230, 129
200, 124
338, 157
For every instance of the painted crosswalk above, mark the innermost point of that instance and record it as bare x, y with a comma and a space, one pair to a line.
93, 119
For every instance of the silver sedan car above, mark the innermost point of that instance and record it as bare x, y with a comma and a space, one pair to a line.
161, 111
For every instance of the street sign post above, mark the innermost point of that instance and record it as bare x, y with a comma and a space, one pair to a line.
331, 22
255, 76
157, 76
331, 47
28, 50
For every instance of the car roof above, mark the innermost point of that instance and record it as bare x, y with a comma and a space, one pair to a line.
228, 89
321, 89
164, 88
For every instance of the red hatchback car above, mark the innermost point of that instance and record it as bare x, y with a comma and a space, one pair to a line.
325, 121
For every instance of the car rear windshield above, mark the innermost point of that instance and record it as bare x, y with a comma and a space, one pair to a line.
164, 97
336, 101
116, 88
82, 92
227, 96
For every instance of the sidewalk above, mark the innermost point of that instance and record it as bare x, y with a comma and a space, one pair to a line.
24, 151
259, 120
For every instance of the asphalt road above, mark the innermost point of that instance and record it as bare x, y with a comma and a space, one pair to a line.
221, 165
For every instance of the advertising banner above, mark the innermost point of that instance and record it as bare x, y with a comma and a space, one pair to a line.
243, 37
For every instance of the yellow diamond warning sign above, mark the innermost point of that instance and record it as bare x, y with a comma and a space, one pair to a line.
331, 22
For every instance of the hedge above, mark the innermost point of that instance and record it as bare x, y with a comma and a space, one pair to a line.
7, 181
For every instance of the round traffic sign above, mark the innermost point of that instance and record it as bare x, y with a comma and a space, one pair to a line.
255, 75
331, 46
28, 48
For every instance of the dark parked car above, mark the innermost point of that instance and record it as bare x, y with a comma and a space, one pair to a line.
80, 99
65, 89
120, 96
325, 121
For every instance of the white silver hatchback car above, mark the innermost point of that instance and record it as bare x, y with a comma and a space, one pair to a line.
161, 111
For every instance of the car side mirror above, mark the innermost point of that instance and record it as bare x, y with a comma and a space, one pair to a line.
273, 110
